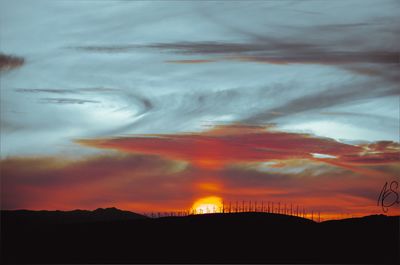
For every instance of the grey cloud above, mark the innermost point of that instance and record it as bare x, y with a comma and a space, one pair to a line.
335, 28
139, 100
39, 90
326, 98
109, 46
98, 89
106, 48
354, 114
275, 51
230, 48
387, 73
65, 91
341, 26
67, 101
144, 102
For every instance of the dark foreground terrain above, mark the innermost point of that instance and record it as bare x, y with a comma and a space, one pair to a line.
113, 236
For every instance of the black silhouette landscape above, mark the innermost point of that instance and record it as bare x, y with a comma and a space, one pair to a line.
115, 236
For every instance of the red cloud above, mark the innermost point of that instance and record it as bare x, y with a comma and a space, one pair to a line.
225, 163
147, 183
232, 144
8, 62
133, 182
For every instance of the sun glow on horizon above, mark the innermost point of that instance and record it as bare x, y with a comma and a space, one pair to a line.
211, 204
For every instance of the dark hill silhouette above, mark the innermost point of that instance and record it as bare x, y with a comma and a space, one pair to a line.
75, 216
210, 238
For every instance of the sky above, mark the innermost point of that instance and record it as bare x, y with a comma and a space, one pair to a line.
152, 105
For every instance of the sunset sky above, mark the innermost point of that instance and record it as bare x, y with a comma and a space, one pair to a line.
150, 106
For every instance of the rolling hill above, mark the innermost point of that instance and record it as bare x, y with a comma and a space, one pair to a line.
210, 238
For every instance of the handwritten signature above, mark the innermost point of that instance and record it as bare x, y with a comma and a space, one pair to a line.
389, 196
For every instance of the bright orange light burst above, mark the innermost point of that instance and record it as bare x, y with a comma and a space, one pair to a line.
210, 204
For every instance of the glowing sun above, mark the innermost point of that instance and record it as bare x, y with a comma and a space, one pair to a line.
210, 204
